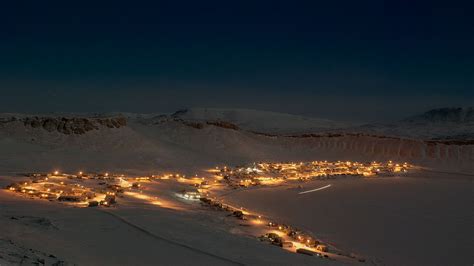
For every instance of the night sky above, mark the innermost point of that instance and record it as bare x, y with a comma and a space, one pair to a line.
346, 60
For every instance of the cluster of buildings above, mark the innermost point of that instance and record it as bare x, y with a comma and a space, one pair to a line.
98, 189
81, 189
102, 189
279, 234
276, 173
288, 238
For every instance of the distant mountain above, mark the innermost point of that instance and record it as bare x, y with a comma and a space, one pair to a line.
260, 121
443, 115
442, 123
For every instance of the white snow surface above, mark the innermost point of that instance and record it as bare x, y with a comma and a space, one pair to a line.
261, 121
425, 219
148, 144
443, 123
133, 234
160, 143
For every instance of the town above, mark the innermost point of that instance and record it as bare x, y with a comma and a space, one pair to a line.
106, 190
277, 173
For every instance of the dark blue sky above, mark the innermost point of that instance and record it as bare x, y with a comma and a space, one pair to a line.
361, 60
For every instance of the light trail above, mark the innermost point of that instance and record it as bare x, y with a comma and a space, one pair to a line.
313, 190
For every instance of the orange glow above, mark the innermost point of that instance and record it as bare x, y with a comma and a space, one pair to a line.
212, 170
156, 202
258, 222
137, 195
279, 233
152, 200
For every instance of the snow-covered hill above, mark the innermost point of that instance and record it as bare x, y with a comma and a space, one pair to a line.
192, 140
260, 121
443, 115
439, 124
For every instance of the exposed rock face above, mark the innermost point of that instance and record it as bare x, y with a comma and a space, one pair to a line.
223, 124
73, 125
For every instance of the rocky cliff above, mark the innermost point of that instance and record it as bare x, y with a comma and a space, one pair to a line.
67, 125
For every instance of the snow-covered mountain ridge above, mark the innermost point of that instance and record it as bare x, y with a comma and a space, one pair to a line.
192, 142
449, 124
259, 121
441, 115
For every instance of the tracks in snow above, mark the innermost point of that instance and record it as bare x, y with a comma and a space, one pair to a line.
169, 241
